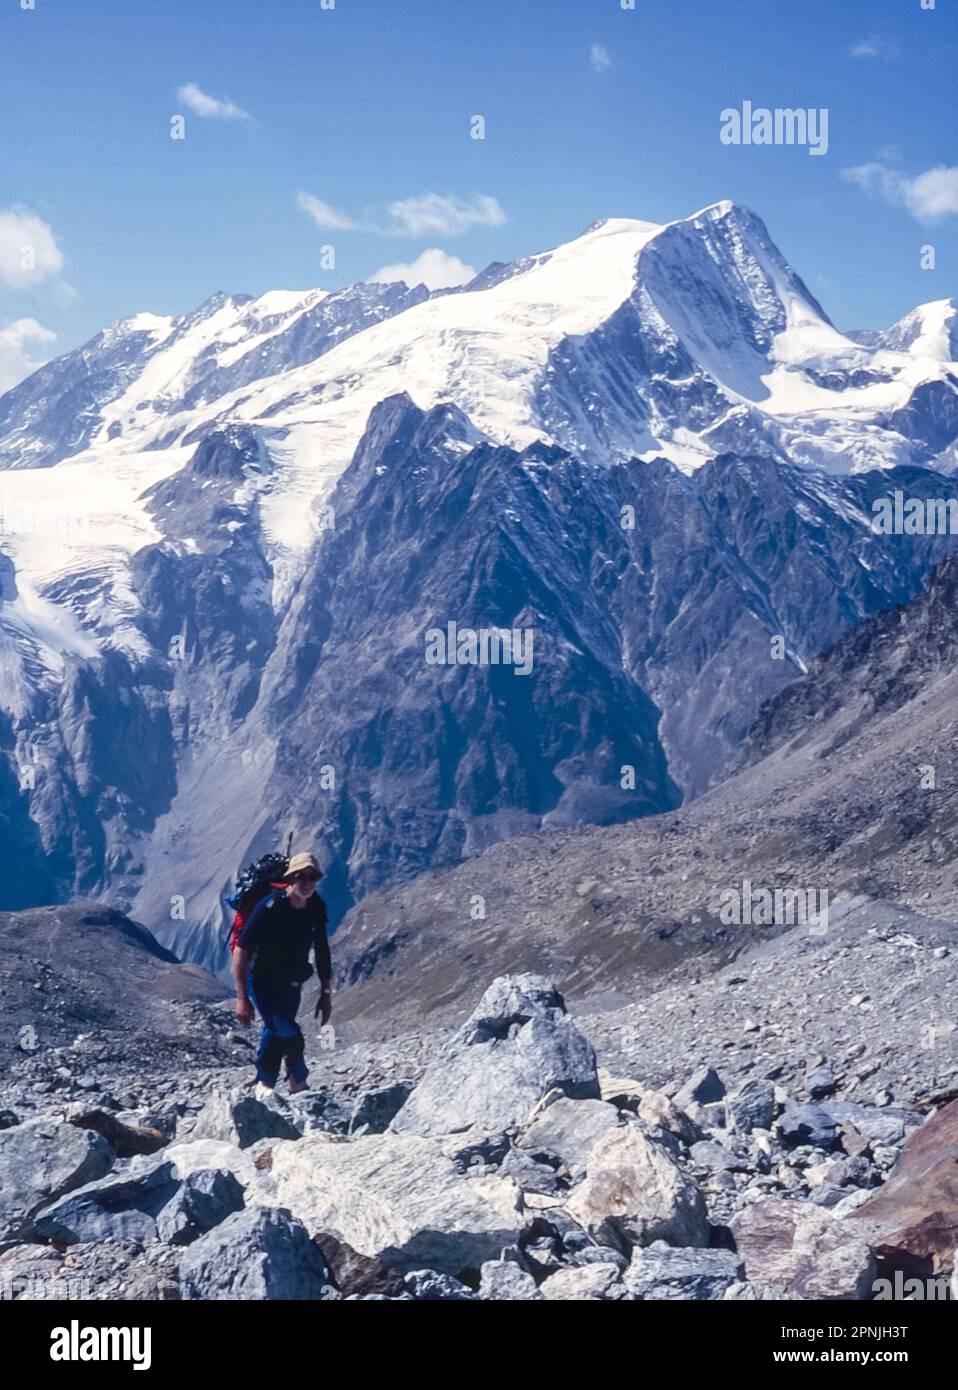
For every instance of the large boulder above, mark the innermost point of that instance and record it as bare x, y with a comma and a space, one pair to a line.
502, 1281
39, 1161
660, 1272
119, 1207
260, 1253
752, 1106
702, 1088
589, 1283
124, 1139
240, 1118
798, 1250
197, 1155
375, 1110
912, 1221
397, 1198
634, 1193
204, 1199
518, 1044
570, 1128
801, 1123
878, 1126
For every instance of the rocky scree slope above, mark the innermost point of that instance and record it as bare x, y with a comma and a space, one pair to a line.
510, 1167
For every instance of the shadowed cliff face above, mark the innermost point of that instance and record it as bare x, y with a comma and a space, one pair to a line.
657, 613
846, 789
664, 610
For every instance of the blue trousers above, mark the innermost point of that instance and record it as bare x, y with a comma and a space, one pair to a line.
277, 1003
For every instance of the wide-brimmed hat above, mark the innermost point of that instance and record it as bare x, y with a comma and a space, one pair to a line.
299, 862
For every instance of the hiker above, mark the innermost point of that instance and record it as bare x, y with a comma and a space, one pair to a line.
271, 964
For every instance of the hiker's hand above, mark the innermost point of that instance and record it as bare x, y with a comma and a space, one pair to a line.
244, 1012
324, 1005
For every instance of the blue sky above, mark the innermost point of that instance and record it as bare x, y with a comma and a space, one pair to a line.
350, 127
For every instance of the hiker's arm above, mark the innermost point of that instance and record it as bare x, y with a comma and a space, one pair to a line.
324, 968
244, 1007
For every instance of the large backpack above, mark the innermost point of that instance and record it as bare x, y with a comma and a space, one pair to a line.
257, 880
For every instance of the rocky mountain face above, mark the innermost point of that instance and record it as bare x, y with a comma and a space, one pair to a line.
663, 611
847, 789
226, 538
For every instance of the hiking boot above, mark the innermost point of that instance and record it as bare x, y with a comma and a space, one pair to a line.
295, 1086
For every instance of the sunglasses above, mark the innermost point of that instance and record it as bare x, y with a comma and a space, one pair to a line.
307, 876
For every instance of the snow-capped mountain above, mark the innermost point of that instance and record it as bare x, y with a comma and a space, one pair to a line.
224, 536
931, 330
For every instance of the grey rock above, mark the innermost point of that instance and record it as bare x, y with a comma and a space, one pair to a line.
240, 1118
828, 1195
851, 1201
202, 1200
503, 1280
257, 1254
374, 1110
702, 1088
820, 1082
800, 1123
660, 1272
516, 1046
599, 1254
752, 1106
531, 1171
40, 1160
427, 1285
587, 1283
716, 1157
880, 1126
315, 1112
570, 1128
113, 1208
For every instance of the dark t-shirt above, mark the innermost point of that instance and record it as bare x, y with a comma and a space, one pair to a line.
279, 937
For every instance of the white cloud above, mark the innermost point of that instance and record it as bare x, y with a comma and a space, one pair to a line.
325, 216
15, 364
428, 215
933, 194
28, 249
600, 57
434, 215
874, 47
202, 105
434, 268
929, 196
